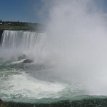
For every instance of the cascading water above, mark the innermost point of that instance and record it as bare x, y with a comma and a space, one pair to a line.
20, 39
21, 42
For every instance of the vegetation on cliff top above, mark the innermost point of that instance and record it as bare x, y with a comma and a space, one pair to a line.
9, 25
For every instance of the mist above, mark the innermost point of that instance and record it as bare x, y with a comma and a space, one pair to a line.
77, 43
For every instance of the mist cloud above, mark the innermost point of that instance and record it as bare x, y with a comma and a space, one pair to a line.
77, 36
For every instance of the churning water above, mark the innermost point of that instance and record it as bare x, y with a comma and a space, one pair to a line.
32, 81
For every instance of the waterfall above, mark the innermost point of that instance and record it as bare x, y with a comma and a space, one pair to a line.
20, 39
24, 69
22, 42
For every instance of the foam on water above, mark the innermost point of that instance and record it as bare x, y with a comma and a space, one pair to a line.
18, 86
24, 86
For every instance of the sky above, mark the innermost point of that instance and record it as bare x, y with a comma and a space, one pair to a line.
30, 10
20, 10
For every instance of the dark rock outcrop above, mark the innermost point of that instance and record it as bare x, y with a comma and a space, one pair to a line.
27, 61
2, 104
1, 32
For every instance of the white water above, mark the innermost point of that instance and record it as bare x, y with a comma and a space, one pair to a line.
20, 39
22, 87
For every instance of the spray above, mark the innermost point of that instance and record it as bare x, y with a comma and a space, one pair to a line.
77, 38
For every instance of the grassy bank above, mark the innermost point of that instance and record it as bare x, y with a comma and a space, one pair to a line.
7, 25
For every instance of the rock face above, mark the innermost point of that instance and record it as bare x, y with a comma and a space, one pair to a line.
1, 32
2, 103
27, 61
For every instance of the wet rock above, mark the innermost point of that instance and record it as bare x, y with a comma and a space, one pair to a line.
2, 104
27, 61
1, 32
23, 56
